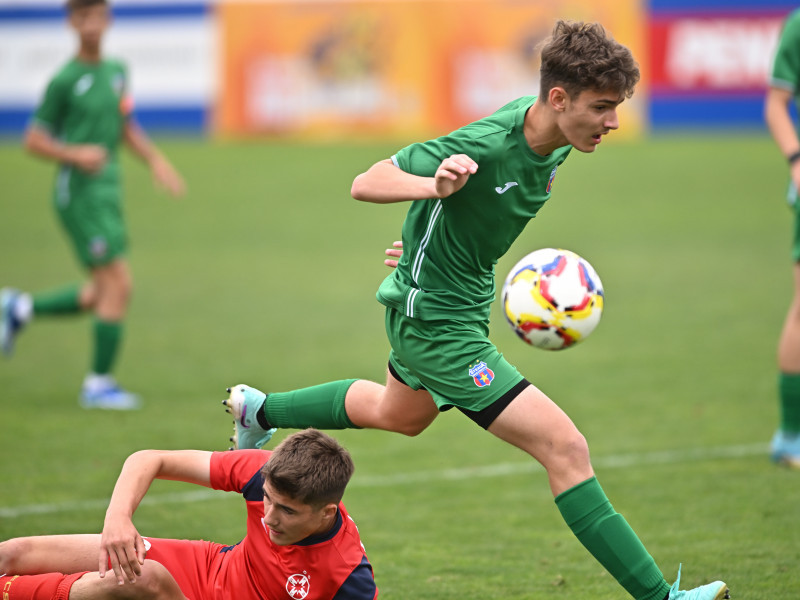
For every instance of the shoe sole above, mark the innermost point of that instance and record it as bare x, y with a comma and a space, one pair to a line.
234, 407
790, 462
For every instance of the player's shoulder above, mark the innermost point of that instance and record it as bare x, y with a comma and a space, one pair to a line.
792, 22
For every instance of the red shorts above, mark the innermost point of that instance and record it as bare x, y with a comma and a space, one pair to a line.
193, 563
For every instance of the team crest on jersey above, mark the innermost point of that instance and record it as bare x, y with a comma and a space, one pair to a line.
298, 586
98, 247
481, 374
552, 177
83, 84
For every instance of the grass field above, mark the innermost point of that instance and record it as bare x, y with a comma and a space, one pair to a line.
266, 274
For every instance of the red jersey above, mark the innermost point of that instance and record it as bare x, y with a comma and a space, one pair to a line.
332, 566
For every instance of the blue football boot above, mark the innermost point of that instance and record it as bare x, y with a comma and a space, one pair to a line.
243, 403
10, 325
711, 591
785, 449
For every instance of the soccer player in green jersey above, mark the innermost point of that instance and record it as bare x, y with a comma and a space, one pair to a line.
784, 88
471, 193
80, 124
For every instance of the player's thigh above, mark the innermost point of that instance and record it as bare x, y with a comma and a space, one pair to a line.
93, 221
537, 425
50, 553
192, 563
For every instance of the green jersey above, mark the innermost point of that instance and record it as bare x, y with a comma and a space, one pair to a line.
786, 64
85, 103
451, 245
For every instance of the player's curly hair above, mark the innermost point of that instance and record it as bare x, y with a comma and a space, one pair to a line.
76, 4
583, 56
311, 467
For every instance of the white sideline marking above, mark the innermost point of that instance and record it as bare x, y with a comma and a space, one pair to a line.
619, 461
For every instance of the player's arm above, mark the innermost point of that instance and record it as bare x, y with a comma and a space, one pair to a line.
90, 158
780, 124
121, 544
384, 183
164, 174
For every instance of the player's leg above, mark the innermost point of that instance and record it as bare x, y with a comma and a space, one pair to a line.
112, 285
46, 553
786, 443
350, 403
154, 583
535, 424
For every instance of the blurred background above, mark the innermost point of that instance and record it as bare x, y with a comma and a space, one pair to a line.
335, 69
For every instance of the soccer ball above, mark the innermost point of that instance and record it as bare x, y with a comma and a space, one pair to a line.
553, 299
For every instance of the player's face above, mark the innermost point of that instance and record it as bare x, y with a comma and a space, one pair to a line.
90, 23
588, 117
290, 521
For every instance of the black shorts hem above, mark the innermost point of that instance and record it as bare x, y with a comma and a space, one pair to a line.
485, 417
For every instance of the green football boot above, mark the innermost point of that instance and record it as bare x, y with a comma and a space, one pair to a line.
244, 402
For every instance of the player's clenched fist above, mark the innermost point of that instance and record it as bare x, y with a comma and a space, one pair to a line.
453, 173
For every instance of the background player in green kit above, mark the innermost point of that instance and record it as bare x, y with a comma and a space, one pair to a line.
784, 88
471, 193
84, 117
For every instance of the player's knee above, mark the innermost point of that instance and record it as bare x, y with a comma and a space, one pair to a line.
10, 551
572, 449
410, 429
155, 583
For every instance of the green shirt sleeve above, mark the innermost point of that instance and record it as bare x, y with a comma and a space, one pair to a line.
50, 113
786, 64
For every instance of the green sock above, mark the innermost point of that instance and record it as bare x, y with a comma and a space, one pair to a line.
789, 392
608, 537
320, 406
63, 301
107, 338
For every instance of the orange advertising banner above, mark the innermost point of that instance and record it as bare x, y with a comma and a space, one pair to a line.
392, 68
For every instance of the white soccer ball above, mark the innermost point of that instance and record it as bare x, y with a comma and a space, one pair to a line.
553, 299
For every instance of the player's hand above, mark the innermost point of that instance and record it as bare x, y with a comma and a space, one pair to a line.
123, 548
453, 174
795, 173
396, 251
166, 177
89, 158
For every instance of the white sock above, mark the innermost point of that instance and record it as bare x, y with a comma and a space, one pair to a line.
23, 308
95, 383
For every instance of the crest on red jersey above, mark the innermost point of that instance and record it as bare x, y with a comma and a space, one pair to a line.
297, 586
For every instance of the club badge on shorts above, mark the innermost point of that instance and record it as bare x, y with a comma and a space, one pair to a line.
481, 374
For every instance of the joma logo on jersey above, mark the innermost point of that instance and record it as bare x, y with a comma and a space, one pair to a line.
481, 374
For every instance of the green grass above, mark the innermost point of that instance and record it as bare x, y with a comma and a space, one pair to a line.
266, 274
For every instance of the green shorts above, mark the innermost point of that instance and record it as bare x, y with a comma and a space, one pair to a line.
92, 217
454, 361
791, 198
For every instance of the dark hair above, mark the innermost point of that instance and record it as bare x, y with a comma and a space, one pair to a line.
583, 56
76, 4
311, 467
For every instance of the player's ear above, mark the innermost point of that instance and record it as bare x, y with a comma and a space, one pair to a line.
329, 510
558, 98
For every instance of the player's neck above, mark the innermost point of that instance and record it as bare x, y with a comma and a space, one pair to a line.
89, 53
541, 130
